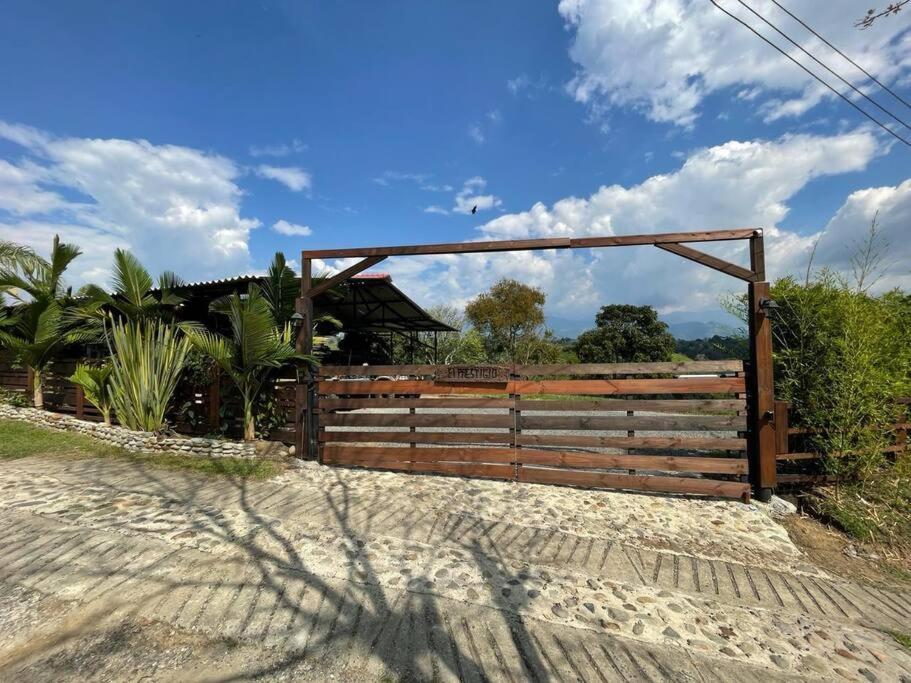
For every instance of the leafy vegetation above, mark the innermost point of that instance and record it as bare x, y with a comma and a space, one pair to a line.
509, 318
40, 324
97, 386
715, 347
147, 359
256, 347
625, 333
133, 297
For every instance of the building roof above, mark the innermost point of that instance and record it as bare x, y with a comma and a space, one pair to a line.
365, 302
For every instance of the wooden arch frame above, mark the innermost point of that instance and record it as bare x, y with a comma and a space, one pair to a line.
760, 387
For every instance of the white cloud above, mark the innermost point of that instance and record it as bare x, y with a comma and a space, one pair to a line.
476, 134
279, 150
292, 229
737, 184
664, 57
433, 208
292, 177
518, 84
892, 207
468, 197
177, 208
422, 180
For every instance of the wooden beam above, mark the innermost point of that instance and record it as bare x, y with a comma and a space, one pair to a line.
536, 244
714, 262
328, 284
757, 256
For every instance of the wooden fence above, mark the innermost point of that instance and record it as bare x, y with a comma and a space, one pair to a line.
799, 466
670, 427
208, 404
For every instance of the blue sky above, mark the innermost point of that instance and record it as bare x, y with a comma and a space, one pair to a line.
352, 119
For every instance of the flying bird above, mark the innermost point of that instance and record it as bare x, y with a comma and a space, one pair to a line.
474, 209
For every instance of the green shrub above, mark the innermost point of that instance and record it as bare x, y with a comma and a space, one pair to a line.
96, 384
18, 399
147, 360
842, 357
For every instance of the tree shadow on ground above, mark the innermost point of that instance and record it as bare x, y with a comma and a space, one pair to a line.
347, 622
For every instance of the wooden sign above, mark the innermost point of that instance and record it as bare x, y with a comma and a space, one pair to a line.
492, 374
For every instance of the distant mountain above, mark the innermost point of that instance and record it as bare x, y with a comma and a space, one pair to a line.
683, 325
700, 329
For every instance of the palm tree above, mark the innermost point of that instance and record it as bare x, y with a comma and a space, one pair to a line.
16, 255
256, 347
39, 325
133, 297
96, 384
281, 289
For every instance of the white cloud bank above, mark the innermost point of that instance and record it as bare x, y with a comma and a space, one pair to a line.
736, 184
177, 208
674, 53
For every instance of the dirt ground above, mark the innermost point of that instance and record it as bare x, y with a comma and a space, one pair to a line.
838, 553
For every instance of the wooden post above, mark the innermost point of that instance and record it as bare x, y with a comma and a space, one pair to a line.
782, 424
80, 402
761, 395
515, 431
630, 433
214, 414
303, 396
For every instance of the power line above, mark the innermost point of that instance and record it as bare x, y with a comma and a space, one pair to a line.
846, 99
823, 65
866, 73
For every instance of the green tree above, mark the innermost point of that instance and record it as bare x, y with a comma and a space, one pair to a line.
135, 295
256, 347
507, 315
625, 334
39, 326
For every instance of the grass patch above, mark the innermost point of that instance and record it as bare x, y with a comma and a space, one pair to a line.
903, 639
22, 440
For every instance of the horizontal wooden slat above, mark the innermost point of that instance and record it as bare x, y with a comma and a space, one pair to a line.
420, 420
458, 403
370, 454
728, 489
415, 437
640, 462
797, 456
671, 405
696, 367
366, 387
685, 385
647, 422
591, 441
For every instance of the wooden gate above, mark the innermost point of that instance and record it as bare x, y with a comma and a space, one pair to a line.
670, 427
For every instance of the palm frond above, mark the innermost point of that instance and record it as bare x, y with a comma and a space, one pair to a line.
130, 279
